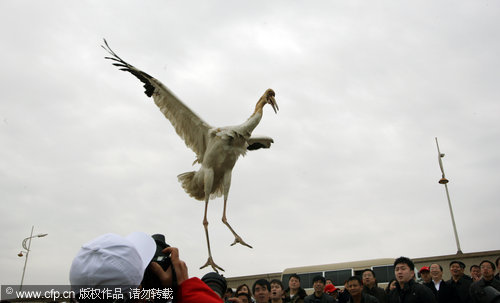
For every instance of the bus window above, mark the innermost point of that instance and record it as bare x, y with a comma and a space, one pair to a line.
305, 279
338, 277
384, 273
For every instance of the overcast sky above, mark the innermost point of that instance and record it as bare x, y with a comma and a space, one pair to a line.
363, 88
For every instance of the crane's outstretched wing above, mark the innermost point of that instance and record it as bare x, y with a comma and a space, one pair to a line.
259, 142
191, 128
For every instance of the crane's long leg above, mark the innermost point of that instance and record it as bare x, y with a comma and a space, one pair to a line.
227, 184
208, 186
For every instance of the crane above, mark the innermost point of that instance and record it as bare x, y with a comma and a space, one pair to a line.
217, 148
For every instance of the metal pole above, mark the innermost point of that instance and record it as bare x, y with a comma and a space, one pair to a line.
444, 181
27, 254
459, 251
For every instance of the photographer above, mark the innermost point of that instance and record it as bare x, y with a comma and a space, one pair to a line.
189, 289
115, 262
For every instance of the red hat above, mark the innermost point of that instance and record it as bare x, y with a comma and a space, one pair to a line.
424, 268
330, 288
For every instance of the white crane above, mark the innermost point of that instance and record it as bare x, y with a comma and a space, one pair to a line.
216, 148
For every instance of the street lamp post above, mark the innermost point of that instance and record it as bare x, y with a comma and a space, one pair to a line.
27, 250
445, 181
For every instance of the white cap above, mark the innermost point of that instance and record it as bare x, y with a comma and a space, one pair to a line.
111, 259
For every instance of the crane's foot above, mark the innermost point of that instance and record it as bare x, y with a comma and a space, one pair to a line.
211, 262
238, 239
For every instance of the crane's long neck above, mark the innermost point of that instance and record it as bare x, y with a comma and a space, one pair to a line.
251, 123
259, 106
248, 126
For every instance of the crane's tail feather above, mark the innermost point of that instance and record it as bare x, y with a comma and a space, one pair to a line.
193, 185
190, 187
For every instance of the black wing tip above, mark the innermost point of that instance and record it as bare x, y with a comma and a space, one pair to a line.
149, 89
255, 146
124, 66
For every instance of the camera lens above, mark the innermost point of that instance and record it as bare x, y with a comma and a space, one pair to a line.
216, 282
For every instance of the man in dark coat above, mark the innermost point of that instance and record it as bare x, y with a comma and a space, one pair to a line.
355, 286
319, 296
370, 286
460, 282
477, 289
442, 291
407, 290
294, 293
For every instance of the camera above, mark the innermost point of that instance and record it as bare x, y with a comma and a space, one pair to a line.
150, 280
216, 282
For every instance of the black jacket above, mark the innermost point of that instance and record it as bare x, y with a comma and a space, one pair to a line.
365, 299
461, 289
412, 292
298, 298
344, 296
478, 293
323, 299
377, 292
445, 293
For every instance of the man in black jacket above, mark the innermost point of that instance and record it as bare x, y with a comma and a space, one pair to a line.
442, 291
355, 286
477, 289
318, 296
370, 286
460, 282
294, 293
407, 290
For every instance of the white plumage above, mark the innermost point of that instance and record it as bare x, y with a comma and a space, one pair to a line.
216, 149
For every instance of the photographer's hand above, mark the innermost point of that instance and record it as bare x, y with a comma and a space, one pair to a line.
180, 268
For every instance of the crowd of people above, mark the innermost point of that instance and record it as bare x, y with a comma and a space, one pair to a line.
481, 286
122, 261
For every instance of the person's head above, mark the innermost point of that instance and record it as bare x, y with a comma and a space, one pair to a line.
111, 259
276, 289
436, 272
331, 290
229, 293
294, 282
244, 288
457, 269
319, 284
328, 281
369, 278
244, 297
404, 269
355, 286
487, 269
261, 290
475, 272
425, 274
497, 262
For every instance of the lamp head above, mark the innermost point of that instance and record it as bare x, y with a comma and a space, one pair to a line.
443, 181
